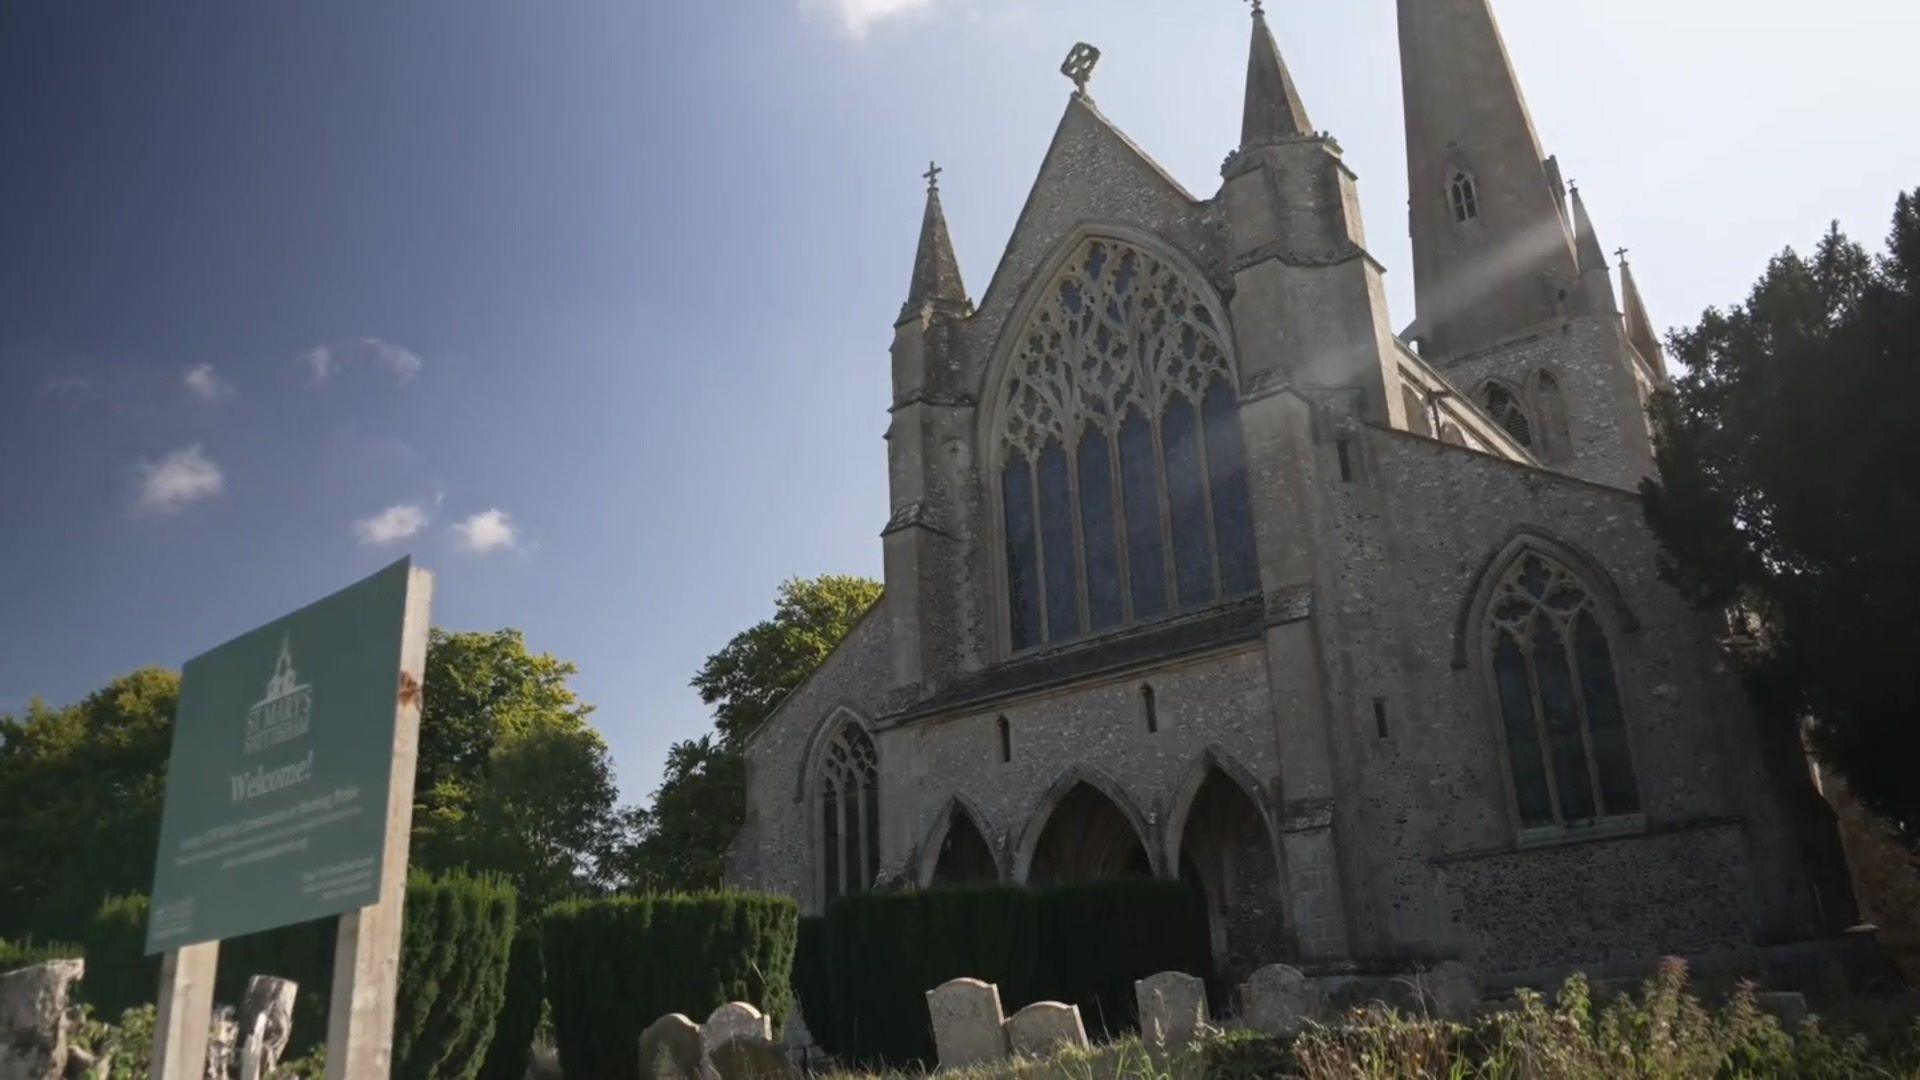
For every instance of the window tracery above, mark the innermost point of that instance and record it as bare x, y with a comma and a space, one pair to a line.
1558, 699
849, 783
1507, 411
1463, 194
1122, 471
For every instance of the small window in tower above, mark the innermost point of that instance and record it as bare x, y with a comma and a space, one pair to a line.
1150, 709
1465, 197
1006, 740
1506, 411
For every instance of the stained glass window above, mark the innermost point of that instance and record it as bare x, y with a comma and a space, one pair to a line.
1560, 712
849, 814
1119, 417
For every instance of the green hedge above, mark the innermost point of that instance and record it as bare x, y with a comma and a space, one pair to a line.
27, 953
615, 966
512, 1050
869, 963
454, 951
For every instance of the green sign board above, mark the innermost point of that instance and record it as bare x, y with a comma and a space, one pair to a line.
277, 788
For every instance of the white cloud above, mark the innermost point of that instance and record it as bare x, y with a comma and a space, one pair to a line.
489, 530
856, 17
204, 383
183, 477
328, 360
390, 525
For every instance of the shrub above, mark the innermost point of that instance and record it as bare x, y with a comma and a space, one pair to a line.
616, 965
27, 953
874, 957
452, 970
512, 1049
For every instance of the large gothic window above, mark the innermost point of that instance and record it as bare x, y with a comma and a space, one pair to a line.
1123, 478
1559, 702
849, 785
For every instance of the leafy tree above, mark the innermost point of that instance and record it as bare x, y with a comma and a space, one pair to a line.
1789, 494
513, 779
80, 794
681, 841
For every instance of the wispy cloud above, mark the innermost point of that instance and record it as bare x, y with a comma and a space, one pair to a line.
178, 480
856, 17
206, 384
325, 361
486, 531
391, 525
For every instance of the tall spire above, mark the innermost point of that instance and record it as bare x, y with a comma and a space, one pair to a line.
1596, 281
1274, 112
1492, 254
936, 271
1640, 329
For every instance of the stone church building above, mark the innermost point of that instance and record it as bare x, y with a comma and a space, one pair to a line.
1198, 569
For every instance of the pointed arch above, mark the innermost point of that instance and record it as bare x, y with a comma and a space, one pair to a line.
959, 819
1072, 783
1466, 639
1550, 406
817, 741
1512, 408
1221, 839
842, 782
1210, 759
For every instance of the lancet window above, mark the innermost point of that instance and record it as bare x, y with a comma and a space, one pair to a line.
1559, 702
1509, 413
1123, 476
849, 786
1464, 196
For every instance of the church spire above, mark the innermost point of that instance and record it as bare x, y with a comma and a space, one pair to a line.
1274, 111
1596, 281
1492, 254
1640, 329
936, 271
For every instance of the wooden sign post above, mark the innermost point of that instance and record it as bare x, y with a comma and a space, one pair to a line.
293, 807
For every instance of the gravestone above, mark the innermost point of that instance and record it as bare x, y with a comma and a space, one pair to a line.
670, 1049
223, 1044
33, 1019
1451, 991
1173, 1007
1787, 1007
1278, 1000
1045, 1028
733, 1019
266, 1022
750, 1057
969, 1027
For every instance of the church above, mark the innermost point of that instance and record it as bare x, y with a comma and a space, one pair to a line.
1197, 568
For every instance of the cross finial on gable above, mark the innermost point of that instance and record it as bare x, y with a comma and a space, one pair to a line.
1258, 7
932, 176
1621, 255
1079, 66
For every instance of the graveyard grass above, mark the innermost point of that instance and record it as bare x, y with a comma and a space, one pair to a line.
1661, 1032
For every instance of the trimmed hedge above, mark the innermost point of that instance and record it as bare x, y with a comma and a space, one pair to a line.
870, 962
616, 965
27, 953
512, 1050
453, 959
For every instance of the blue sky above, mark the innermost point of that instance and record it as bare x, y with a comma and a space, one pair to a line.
587, 304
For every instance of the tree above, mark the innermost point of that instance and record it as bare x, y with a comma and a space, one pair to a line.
513, 779
80, 794
1789, 494
681, 841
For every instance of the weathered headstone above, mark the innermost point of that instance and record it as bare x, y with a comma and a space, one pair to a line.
969, 1027
33, 1019
749, 1057
1173, 1007
670, 1049
1450, 991
733, 1019
223, 1044
1045, 1028
1278, 1000
266, 1023
1787, 1007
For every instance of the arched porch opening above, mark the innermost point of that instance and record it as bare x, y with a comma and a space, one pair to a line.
1087, 838
965, 858
1226, 854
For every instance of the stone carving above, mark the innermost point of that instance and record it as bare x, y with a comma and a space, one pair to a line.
969, 1027
33, 1020
1079, 65
1044, 1028
266, 1016
749, 1057
671, 1049
1173, 1007
1279, 1000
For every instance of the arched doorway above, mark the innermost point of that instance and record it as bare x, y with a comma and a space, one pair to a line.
965, 857
1226, 853
1087, 838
